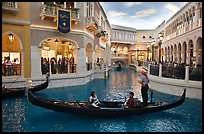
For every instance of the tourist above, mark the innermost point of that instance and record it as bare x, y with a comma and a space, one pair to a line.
94, 100
131, 102
4, 66
15, 67
53, 65
8, 64
144, 80
70, 64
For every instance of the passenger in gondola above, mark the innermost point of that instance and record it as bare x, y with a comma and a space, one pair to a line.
131, 101
94, 101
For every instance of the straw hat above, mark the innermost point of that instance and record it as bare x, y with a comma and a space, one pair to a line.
144, 70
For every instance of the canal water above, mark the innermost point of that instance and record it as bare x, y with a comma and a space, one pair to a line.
18, 115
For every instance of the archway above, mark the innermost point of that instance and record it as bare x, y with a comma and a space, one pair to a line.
12, 55
61, 53
190, 44
89, 57
199, 48
122, 63
96, 53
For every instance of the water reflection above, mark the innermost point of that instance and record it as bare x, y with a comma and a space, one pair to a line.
18, 115
111, 125
14, 115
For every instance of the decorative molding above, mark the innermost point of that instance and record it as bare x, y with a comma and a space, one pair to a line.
14, 21
54, 29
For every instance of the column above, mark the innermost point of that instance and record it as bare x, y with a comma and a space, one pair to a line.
35, 62
170, 54
148, 68
187, 74
195, 53
160, 70
81, 60
164, 54
129, 58
99, 51
188, 55
182, 54
178, 55
197, 15
50, 68
173, 54
93, 59
167, 54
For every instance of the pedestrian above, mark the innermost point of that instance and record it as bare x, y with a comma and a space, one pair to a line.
4, 66
15, 67
144, 80
8, 64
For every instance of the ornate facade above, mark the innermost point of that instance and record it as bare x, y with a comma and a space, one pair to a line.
182, 42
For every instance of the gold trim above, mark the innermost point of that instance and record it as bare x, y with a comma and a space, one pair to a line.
57, 18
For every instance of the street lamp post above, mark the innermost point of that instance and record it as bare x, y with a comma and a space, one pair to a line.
160, 43
148, 51
147, 42
152, 43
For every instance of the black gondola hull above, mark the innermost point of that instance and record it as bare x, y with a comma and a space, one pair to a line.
110, 109
16, 92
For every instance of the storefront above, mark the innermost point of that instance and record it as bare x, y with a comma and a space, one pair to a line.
59, 54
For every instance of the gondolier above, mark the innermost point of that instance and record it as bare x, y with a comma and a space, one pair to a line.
144, 80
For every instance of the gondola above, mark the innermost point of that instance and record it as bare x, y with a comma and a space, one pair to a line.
119, 67
14, 92
109, 108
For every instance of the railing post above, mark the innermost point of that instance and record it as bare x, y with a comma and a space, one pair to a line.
187, 74
160, 70
137, 64
50, 69
16, 5
104, 71
148, 68
68, 68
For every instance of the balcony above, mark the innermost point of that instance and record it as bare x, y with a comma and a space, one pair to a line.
120, 56
91, 24
51, 12
125, 41
10, 7
104, 38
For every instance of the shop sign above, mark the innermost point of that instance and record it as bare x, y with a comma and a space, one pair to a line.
63, 20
